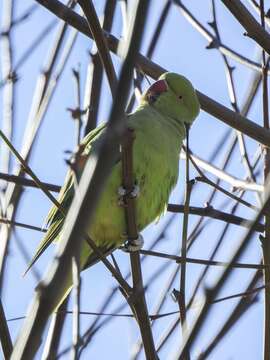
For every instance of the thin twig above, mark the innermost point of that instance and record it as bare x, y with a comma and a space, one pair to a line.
5, 337
266, 238
95, 74
139, 305
203, 178
154, 70
211, 293
182, 295
257, 7
38, 109
190, 260
22, 225
241, 307
98, 36
28, 170
214, 42
54, 334
29, 51
253, 28
233, 98
77, 112
83, 206
76, 307
20, 180
222, 175
25, 15
93, 328
8, 105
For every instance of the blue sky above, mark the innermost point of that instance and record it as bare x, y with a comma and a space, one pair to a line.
181, 49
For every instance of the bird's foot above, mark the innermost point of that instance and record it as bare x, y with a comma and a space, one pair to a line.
123, 193
135, 192
132, 245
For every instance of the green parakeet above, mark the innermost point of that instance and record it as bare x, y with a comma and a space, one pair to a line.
159, 125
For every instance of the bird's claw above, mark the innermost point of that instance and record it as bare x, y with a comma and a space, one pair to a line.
122, 193
133, 194
132, 245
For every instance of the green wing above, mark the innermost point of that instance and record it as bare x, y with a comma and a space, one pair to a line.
55, 219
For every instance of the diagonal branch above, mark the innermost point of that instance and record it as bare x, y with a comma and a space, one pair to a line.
5, 337
94, 75
98, 36
7, 70
241, 307
83, 205
215, 42
253, 28
208, 211
209, 105
211, 293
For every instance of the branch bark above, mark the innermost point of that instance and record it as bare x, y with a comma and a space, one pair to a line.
152, 69
83, 205
253, 28
139, 303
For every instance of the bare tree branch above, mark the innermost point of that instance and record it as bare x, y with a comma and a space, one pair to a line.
253, 28
209, 105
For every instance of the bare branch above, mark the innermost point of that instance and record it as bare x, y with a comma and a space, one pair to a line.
139, 304
253, 28
82, 208
5, 337
149, 67
97, 33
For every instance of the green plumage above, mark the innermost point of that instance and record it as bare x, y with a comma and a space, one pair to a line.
159, 131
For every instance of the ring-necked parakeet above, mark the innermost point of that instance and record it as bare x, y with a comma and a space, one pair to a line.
159, 125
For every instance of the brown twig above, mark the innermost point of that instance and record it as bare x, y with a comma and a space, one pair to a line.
20, 180
76, 307
223, 175
239, 310
154, 70
95, 74
25, 15
209, 211
266, 238
161, 21
139, 305
233, 98
79, 216
5, 338
7, 73
190, 260
54, 334
98, 36
93, 328
29, 51
181, 298
211, 293
28, 170
215, 42
22, 225
203, 178
37, 113
253, 28
257, 7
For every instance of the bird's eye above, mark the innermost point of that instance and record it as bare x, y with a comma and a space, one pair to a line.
180, 97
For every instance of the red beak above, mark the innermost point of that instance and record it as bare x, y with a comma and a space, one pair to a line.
158, 87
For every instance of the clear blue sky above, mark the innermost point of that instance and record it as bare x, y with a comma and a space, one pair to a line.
181, 49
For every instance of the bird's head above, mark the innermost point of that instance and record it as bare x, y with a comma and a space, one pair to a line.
174, 96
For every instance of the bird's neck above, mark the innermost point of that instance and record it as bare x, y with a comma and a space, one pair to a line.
174, 126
